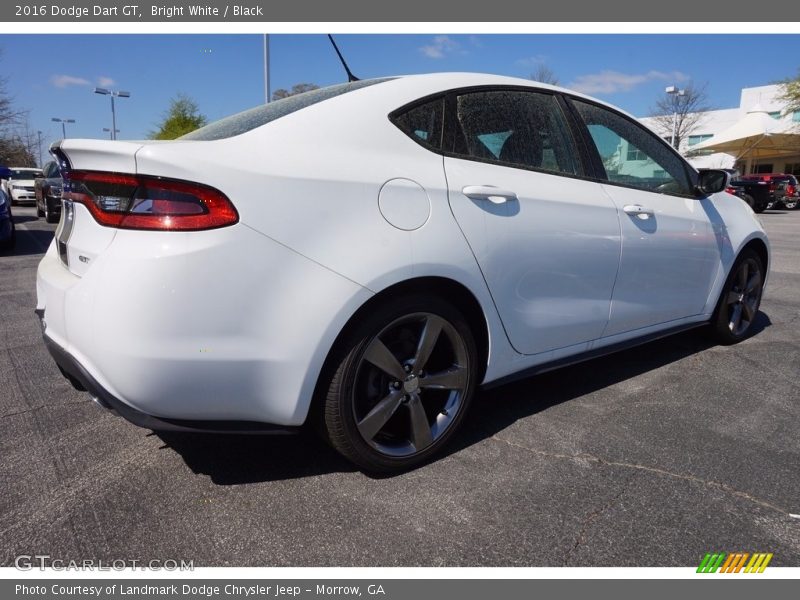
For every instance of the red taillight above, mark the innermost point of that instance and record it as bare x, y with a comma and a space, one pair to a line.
142, 202
791, 190
731, 190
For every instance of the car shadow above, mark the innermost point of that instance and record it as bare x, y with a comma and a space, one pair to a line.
25, 219
239, 459
236, 459
30, 241
498, 408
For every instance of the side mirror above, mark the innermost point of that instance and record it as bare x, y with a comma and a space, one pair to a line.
712, 181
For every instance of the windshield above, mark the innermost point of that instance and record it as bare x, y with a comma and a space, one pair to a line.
25, 174
261, 115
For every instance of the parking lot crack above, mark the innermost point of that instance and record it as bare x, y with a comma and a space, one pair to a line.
41, 406
649, 469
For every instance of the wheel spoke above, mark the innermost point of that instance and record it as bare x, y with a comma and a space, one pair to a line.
753, 282
744, 271
370, 425
736, 318
427, 341
748, 307
379, 355
733, 297
421, 435
454, 378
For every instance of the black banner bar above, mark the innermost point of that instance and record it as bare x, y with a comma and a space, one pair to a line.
463, 11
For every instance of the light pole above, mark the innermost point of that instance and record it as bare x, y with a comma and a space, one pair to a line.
63, 124
113, 94
266, 69
110, 135
39, 138
676, 94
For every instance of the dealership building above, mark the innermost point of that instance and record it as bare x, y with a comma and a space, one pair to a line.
756, 99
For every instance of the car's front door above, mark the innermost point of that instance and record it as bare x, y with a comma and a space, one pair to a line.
669, 250
547, 241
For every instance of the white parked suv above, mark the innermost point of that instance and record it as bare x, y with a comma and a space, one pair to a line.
20, 185
366, 255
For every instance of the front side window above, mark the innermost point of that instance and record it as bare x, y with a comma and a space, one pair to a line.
631, 155
516, 129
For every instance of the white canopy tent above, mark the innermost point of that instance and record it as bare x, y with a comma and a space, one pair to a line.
757, 135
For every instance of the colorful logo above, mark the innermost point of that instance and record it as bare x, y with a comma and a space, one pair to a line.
734, 562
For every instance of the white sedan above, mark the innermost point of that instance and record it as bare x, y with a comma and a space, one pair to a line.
366, 255
20, 186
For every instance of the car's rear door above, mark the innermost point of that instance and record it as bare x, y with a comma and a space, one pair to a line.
669, 249
547, 239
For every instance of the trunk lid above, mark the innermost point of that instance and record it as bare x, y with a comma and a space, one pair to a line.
79, 238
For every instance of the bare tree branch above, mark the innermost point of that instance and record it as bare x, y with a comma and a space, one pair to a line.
544, 74
297, 88
689, 108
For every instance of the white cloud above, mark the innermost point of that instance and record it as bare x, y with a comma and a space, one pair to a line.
105, 81
612, 82
62, 81
532, 61
441, 46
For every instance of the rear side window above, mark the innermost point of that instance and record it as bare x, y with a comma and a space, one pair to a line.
423, 123
261, 115
516, 129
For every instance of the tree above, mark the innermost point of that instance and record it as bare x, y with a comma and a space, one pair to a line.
14, 152
790, 93
544, 74
182, 117
297, 88
9, 116
689, 108
16, 148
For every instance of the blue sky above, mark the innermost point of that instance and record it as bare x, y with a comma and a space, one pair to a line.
53, 75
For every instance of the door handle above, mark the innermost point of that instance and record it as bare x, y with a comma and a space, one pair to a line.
491, 193
638, 210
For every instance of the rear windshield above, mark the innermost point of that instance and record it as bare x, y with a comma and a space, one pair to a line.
261, 115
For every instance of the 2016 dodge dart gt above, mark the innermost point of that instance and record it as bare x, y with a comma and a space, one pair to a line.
366, 255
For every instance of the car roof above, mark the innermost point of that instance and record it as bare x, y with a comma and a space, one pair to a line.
439, 82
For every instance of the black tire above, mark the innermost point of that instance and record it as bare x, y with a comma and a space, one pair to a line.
354, 390
739, 295
49, 215
749, 200
39, 211
760, 208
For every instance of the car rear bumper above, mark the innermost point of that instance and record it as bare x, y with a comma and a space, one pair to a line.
83, 380
208, 327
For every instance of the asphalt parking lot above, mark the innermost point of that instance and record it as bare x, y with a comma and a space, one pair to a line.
651, 457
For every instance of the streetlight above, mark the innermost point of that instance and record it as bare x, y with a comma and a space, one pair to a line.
675, 93
113, 94
266, 69
39, 137
109, 132
63, 124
